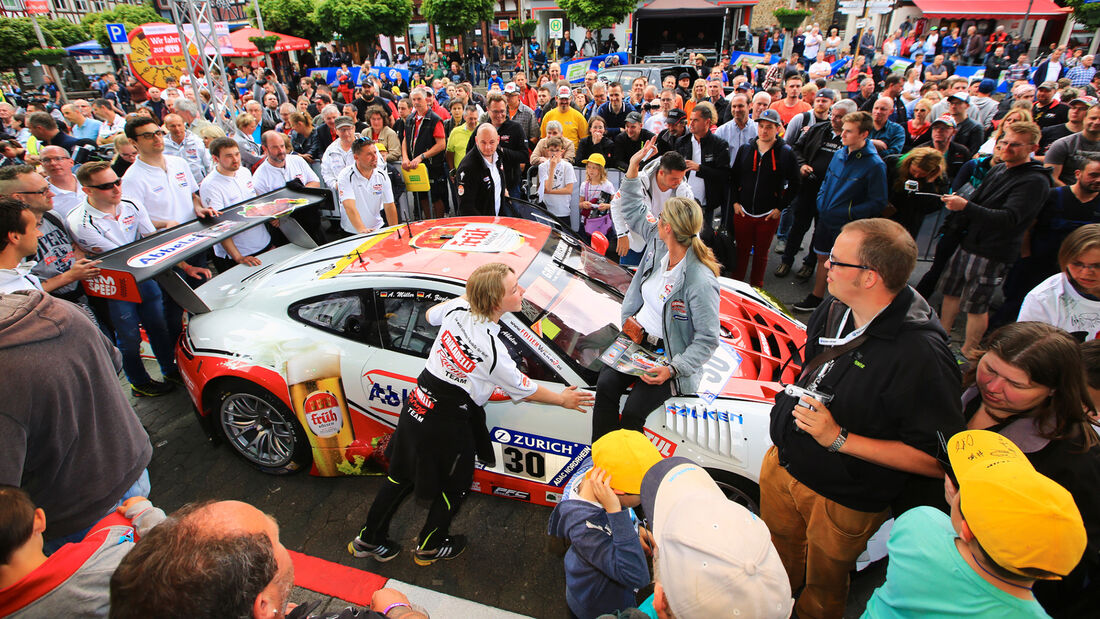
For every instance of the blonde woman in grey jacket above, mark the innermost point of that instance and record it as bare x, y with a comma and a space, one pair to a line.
674, 296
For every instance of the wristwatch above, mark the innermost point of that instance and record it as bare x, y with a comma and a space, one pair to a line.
839, 442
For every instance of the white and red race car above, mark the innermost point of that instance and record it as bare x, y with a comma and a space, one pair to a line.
366, 298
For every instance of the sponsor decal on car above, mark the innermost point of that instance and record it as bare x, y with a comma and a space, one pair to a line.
511, 493
471, 237
539, 458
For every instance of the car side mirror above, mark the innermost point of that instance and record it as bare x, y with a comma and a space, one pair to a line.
600, 243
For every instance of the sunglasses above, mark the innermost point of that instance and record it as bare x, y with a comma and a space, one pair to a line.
40, 192
107, 186
151, 134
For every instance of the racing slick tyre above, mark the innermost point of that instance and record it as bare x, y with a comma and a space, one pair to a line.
262, 429
738, 489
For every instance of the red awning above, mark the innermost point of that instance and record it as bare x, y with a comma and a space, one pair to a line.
243, 47
990, 9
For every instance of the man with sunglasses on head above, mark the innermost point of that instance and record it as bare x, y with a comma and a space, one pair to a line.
855, 436
58, 166
103, 221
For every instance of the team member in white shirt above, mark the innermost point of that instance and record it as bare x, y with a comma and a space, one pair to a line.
58, 165
432, 450
338, 155
104, 221
187, 146
161, 183
281, 166
364, 191
227, 185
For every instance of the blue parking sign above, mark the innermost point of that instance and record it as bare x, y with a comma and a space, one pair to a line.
116, 33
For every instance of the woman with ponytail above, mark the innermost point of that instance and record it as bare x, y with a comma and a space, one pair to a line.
673, 298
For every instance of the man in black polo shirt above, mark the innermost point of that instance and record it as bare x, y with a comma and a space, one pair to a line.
1046, 111
876, 347
954, 154
44, 127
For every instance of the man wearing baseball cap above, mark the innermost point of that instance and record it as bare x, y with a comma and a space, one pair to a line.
713, 557
800, 124
574, 126
1075, 121
605, 563
954, 154
675, 128
1046, 111
1009, 526
967, 132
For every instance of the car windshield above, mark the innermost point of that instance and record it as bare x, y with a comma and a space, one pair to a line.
573, 301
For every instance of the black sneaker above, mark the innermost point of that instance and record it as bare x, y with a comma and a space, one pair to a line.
174, 377
783, 270
808, 304
805, 273
450, 548
379, 552
151, 389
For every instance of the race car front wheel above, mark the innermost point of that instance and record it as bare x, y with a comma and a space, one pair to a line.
738, 489
262, 429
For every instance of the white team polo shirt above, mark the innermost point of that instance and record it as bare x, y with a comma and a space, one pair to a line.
65, 201
369, 194
219, 192
99, 232
269, 178
165, 194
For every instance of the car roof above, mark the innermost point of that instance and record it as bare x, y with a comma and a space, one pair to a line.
452, 247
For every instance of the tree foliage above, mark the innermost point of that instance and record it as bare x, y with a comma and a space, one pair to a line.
597, 14
67, 32
457, 17
363, 20
126, 14
16, 37
294, 17
1084, 12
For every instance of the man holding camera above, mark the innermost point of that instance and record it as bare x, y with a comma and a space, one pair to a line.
858, 429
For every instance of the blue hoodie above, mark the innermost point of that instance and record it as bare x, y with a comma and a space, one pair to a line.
854, 187
605, 563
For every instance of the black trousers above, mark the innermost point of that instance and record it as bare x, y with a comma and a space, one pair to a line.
643, 400
805, 214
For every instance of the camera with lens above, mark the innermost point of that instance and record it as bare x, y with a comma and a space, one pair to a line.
90, 152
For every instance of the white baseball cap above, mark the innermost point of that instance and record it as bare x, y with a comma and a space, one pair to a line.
714, 557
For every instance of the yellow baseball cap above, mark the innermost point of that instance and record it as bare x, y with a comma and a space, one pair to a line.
626, 455
597, 159
1023, 519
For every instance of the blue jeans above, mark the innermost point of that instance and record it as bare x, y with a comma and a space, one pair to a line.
141, 487
631, 259
128, 318
786, 220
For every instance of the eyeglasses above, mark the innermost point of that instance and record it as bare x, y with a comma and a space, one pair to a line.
151, 134
1083, 266
53, 159
1004, 144
106, 186
40, 192
834, 263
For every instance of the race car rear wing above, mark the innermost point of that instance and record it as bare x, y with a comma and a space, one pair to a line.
153, 257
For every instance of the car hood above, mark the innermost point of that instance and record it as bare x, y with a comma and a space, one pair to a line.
228, 288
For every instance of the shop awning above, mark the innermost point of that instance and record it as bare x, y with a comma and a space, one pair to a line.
87, 48
693, 5
990, 9
243, 47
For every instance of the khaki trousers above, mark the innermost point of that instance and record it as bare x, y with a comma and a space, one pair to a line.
818, 540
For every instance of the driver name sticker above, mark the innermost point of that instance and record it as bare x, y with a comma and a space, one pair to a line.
718, 370
539, 458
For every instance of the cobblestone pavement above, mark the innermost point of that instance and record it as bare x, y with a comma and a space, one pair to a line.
507, 564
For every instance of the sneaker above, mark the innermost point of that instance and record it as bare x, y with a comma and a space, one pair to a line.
379, 552
174, 377
150, 389
783, 270
808, 304
450, 548
805, 273
780, 246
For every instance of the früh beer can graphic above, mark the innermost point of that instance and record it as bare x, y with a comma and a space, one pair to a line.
317, 392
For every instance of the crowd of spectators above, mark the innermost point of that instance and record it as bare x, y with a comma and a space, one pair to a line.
744, 161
